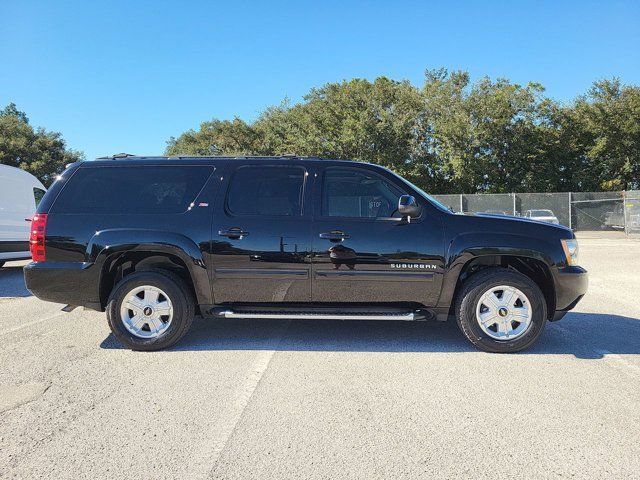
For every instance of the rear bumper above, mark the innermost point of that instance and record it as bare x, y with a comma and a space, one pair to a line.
64, 282
571, 284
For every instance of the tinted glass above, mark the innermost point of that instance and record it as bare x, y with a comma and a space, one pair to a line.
122, 190
38, 193
353, 193
266, 190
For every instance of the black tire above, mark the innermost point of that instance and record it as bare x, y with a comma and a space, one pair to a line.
181, 299
473, 289
1, 263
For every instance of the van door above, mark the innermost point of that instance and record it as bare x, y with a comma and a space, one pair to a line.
17, 204
261, 238
363, 251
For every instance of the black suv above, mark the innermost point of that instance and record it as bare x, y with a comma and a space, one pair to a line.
155, 240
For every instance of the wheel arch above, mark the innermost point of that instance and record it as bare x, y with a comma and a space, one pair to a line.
533, 268
116, 256
470, 253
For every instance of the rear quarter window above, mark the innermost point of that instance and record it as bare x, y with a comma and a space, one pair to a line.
132, 190
38, 194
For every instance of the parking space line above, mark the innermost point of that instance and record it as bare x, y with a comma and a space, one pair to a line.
613, 359
34, 322
252, 380
619, 360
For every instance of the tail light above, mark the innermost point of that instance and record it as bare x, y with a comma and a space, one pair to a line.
37, 237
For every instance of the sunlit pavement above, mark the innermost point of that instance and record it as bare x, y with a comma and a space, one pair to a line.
323, 399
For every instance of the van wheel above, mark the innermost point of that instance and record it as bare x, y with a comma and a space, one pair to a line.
150, 310
501, 310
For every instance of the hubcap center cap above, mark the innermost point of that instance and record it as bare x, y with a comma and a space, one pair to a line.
503, 312
147, 311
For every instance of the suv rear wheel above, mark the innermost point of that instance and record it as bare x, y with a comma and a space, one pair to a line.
150, 310
501, 310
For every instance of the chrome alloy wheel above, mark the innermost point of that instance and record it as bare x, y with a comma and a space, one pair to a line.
503, 312
146, 311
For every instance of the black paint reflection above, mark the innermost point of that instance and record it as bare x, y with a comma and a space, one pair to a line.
341, 255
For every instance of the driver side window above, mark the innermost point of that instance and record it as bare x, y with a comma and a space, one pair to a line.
347, 192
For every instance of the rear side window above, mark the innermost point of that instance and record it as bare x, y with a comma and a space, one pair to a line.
132, 190
38, 193
266, 190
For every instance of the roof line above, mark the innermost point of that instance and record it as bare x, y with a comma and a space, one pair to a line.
123, 156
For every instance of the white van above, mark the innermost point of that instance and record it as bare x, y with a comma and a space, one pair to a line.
20, 193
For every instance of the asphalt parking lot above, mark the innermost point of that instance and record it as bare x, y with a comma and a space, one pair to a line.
276, 399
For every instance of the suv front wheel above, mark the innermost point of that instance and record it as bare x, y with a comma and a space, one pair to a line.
501, 310
150, 310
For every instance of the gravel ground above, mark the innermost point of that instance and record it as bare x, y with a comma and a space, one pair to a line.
276, 399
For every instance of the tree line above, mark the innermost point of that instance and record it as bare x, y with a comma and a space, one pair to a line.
450, 135
36, 150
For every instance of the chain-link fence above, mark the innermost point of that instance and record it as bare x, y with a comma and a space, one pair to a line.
632, 212
454, 202
581, 211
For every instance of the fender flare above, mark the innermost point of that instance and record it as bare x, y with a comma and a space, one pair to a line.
107, 245
469, 246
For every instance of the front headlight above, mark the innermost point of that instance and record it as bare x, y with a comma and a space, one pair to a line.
570, 248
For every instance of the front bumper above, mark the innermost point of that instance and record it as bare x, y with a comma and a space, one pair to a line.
64, 282
571, 284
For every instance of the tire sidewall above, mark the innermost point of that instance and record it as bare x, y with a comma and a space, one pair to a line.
170, 288
469, 324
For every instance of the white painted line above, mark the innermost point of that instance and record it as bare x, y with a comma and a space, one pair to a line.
12, 396
28, 324
619, 360
243, 396
613, 359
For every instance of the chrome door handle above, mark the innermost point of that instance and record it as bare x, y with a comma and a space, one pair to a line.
235, 233
335, 236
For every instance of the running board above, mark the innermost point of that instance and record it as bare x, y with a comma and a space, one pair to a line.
318, 315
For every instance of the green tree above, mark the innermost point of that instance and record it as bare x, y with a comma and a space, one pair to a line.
451, 135
609, 120
359, 120
41, 153
215, 137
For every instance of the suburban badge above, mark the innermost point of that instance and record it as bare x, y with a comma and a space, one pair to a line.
414, 265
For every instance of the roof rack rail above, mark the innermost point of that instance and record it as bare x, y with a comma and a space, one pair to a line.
117, 155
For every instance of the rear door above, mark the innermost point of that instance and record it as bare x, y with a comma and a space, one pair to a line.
261, 238
363, 251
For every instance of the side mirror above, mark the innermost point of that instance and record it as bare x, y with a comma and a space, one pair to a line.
408, 208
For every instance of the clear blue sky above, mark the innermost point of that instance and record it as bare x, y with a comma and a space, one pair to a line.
125, 76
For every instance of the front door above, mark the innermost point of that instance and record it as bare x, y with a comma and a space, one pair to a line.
363, 251
261, 236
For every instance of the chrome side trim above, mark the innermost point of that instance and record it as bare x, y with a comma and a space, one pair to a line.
374, 275
261, 273
409, 316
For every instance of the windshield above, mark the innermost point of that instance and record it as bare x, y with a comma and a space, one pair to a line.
424, 194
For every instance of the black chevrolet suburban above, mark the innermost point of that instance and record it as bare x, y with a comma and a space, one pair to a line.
155, 240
